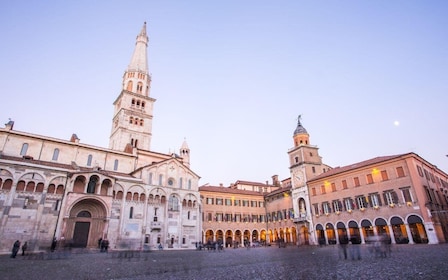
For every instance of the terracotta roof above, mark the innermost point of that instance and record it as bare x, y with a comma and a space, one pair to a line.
338, 170
228, 190
241, 182
280, 190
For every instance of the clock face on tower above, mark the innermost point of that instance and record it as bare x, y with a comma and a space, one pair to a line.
297, 177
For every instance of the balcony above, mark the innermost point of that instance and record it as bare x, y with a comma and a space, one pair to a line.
301, 218
156, 225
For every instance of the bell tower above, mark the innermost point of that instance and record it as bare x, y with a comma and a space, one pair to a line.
133, 108
304, 159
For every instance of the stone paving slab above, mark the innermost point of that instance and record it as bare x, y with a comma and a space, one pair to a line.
309, 262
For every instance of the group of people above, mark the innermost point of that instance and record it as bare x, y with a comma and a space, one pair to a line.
103, 244
378, 245
16, 248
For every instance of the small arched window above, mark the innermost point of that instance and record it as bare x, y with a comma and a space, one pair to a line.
92, 184
89, 160
173, 203
131, 213
189, 184
116, 165
24, 149
55, 154
129, 87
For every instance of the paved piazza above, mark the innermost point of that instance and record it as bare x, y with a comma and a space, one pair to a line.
405, 262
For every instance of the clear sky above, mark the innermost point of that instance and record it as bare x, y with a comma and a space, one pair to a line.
231, 77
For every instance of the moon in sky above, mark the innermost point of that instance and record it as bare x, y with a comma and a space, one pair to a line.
396, 123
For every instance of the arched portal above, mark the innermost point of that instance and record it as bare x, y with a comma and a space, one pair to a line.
381, 226
86, 223
399, 230
331, 235
342, 232
229, 238
219, 236
417, 228
367, 228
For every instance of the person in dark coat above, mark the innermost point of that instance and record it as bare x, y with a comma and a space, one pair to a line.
15, 248
53, 244
24, 247
343, 243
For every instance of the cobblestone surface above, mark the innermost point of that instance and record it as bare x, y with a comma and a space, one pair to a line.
405, 262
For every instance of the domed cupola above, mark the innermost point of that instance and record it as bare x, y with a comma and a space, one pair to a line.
301, 136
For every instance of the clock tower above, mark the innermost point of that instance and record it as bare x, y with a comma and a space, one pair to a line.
304, 164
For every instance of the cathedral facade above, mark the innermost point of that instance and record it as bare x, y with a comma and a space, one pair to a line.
77, 193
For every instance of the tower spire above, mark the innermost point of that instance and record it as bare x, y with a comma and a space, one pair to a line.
136, 78
300, 136
132, 122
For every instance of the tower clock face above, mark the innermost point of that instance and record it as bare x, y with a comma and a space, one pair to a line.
298, 177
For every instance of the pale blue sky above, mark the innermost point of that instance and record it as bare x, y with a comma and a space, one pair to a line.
232, 76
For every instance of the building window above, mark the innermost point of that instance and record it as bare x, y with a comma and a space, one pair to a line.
326, 207
337, 206
313, 169
89, 160
189, 184
420, 172
219, 201
237, 218
384, 176
361, 202
316, 208
356, 181
150, 178
55, 154
116, 165
209, 217
180, 183
406, 192
92, 184
333, 187
245, 203
24, 149
173, 203
313, 191
390, 197
219, 217
322, 189
131, 213
209, 200
170, 182
375, 200
348, 203
160, 179
369, 179
344, 184
237, 202
228, 217
228, 202
400, 172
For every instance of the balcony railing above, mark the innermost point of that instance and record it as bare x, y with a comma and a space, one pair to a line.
300, 218
156, 225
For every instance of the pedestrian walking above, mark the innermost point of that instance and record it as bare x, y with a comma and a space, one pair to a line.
53, 244
355, 249
24, 247
343, 243
15, 248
